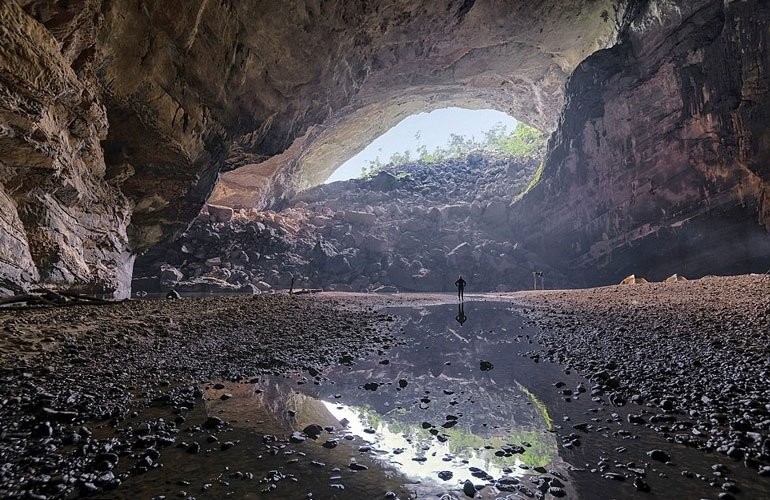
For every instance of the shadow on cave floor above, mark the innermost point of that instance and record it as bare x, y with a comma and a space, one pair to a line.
457, 403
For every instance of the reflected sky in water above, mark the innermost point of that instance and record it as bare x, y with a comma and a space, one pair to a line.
458, 398
419, 455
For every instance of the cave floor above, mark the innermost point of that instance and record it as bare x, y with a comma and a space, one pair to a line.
596, 393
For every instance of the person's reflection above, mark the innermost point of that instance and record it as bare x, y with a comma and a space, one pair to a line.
461, 317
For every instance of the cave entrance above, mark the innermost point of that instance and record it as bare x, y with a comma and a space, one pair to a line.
428, 199
428, 135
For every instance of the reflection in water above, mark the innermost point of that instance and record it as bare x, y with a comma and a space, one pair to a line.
429, 408
456, 403
419, 455
418, 421
461, 317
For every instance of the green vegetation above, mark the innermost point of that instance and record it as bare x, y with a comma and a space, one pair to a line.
539, 405
535, 178
540, 449
523, 142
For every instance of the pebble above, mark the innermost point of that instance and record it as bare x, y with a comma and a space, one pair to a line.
659, 455
469, 489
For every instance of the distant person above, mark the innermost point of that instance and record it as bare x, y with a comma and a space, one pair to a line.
291, 287
461, 317
460, 284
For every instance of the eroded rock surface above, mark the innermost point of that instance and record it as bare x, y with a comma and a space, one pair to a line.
62, 218
659, 163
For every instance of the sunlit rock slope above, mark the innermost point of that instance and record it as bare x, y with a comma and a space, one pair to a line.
413, 227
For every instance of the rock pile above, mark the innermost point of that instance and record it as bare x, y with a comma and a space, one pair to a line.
690, 358
414, 227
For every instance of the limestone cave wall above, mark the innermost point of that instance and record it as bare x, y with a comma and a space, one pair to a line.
659, 164
63, 217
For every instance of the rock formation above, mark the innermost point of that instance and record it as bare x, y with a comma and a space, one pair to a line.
117, 117
122, 110
63, 218
659, 162
412, 227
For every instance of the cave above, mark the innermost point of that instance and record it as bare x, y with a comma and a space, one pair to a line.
179, 149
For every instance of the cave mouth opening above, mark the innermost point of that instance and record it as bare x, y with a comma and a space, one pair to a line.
428, 137
440, 205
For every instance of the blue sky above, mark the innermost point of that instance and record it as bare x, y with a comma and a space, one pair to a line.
434, 127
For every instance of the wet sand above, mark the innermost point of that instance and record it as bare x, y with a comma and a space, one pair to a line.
688, 361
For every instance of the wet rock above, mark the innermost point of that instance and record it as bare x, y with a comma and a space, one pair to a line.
313, 431
297, 437
104, 461
659, 455
213, 423
445, 475
357, 467
43, 430
486, 366
58, 415
557, 491
641, 485
469, 489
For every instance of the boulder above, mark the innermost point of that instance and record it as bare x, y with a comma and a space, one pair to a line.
337, 265
633, 280
219, 213
323, 250
383, 181
496, 213
170, 276
355, 217
374, 244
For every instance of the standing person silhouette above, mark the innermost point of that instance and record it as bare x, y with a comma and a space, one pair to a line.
460, 284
